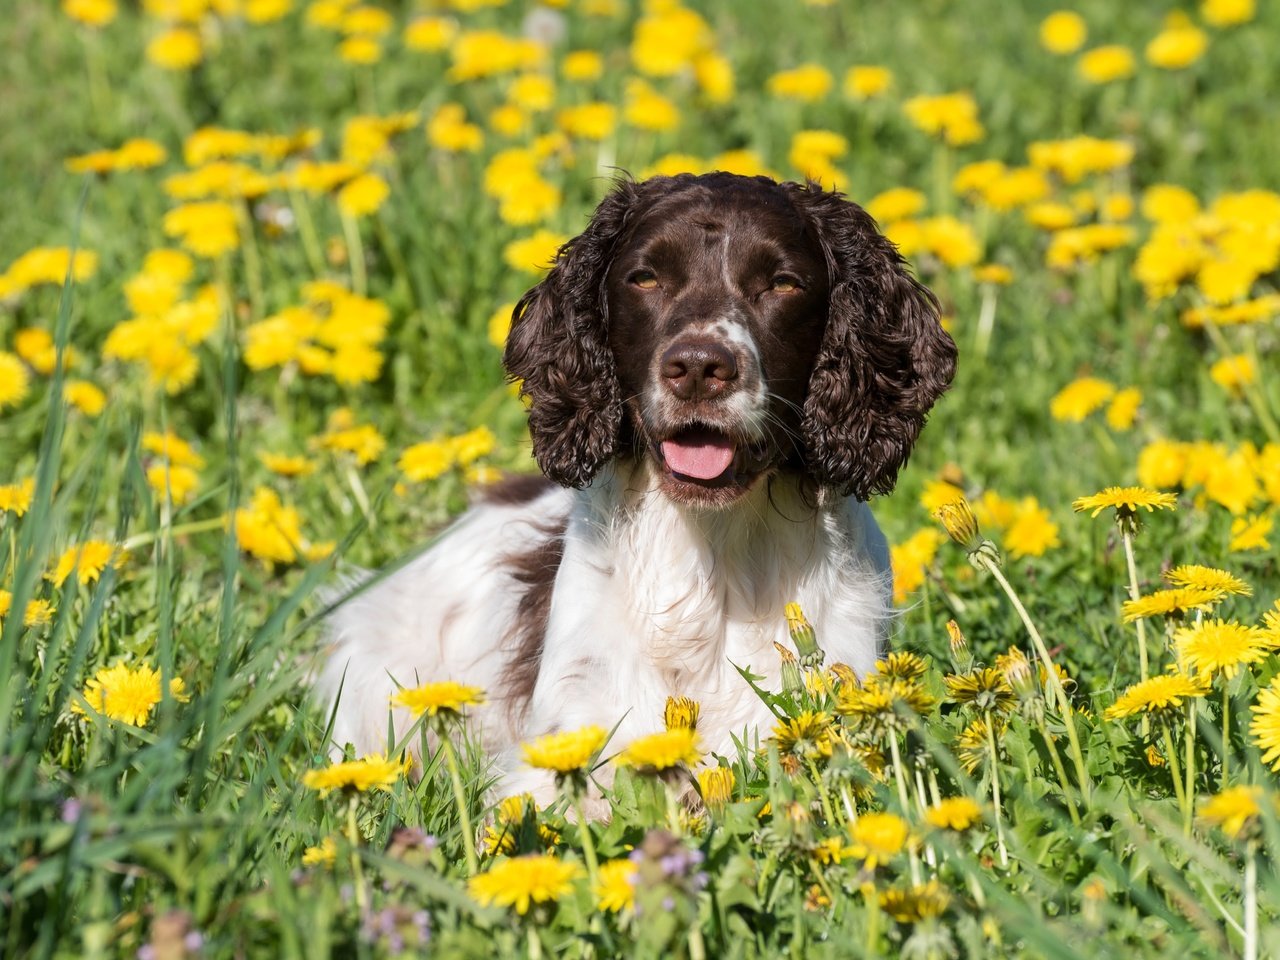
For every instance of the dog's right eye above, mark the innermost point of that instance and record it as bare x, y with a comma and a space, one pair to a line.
644, 279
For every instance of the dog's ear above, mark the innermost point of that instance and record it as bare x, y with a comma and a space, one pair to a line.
558, 350
884, 357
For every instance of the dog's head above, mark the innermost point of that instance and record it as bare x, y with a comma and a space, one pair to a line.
728, 327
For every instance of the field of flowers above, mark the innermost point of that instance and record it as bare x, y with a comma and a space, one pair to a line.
258, 262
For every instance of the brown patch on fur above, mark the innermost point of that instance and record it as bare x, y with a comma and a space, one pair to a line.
514, 489
535, 573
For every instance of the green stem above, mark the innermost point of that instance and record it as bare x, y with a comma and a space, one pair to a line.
1251, 902
1175, 768
1061, 772
353, 838
460, 799
252, 260
307, 230
827, 810
588, 846
995, 793
1051, 674
986, 322
900, 775
355, 254
182, 529
1226, 734
673, 809
1189, 813
1134, 594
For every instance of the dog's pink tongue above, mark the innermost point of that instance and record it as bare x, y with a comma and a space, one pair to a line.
703, 456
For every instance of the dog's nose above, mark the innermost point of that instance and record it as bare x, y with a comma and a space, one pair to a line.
697, 370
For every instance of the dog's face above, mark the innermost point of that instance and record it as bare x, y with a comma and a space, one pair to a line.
728, 327
716, 313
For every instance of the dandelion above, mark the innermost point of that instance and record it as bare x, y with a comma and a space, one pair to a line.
1107, 64
680, 712
953, 813
1177, 46
176, 49
371, 772
128, 694
1250, 533
444, 698
806, 736
1063, 32
325, 854
37, 614
513, 817
1227, 13
521, 882
984, 689
878, 838
1074, 402
363, 195
1214, 647
1174, 604
567, 752
807, 83
87, 560
1126, 501
915, 903
664, 751
1234, 810
426, 461
91, 13
863, 82
1158, 694
1265, 726
16, 498
615, 889
715, 784
15, 381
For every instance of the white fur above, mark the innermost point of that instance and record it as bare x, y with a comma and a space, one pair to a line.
651, 599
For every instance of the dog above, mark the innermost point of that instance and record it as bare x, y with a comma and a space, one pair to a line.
720, 371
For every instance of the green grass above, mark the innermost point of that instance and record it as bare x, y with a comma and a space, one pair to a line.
112, 837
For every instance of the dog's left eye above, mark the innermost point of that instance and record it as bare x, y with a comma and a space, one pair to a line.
644, 279
784, 284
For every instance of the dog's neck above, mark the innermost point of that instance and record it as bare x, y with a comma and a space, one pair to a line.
704, 586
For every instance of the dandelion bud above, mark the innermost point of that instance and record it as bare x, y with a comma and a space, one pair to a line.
1018, 675
716, 786
961, 655
961, 525
845, 675
681, 713
803, 637
792, 681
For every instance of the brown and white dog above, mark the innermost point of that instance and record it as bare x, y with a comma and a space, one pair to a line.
721, 370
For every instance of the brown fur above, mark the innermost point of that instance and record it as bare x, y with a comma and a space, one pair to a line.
535, 574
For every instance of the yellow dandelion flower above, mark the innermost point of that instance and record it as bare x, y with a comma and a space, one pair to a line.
535, 253
1233, 810
952, 117
862, 82
1266, 724
808, 735
15, 498
363, 195
1250, 533
1122, 411
86, 397
371, 772
430, 34
127, 694
286, 465
37, 614
878, 838
1063, 32
565, 752
953, 813
325, 854
1213, 647
663, 751
15, 381
615, 887
178, 48
1177, 46
361, 51
1208, 578
268, 528
715, 784
442, 697
521, 882
806, 83
1175, 603
87, 560
364, 442
469, 447
680, 712
1234, 373
582, 65
1228, 13
1163, 692
178, 484
984, 688
1107, 64
426, 461
1031, 531
1126, 500
912, 904
589, 121
1080, 398
91, 13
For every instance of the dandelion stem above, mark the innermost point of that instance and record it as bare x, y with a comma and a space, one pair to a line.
182, 529
1175, 768
1189, 812
1257, 399
307, 230
355, 254
1061, 771
1134, 594
995, 793
986, 322
673, 811
1226, 734
827, 810
1051, 674
353, 837
900, 776
1251, 902
584, 836
252, 260
460, 798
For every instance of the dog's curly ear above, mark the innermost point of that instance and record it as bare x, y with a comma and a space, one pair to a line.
884, 357
558, 350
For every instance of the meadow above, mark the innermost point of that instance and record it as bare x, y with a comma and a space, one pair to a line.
257, 266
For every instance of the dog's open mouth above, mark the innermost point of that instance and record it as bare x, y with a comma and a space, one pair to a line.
707, 466
701, 455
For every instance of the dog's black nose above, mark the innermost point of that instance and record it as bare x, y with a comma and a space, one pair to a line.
697, 369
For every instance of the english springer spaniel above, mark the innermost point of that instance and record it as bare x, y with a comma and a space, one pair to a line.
720, 371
